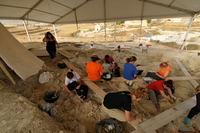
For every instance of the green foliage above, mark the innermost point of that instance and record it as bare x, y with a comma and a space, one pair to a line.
148, 21
120, 22
75, 34
168, 19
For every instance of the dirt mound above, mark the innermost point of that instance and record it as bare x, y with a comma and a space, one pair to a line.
20, 115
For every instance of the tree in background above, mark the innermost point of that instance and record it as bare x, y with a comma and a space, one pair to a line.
120, 22
148, 21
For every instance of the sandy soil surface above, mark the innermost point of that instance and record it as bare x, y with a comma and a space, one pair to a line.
19, 103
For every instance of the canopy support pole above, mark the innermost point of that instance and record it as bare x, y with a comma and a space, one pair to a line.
141, 20
77, 26
105, 18
55, 32
27, 31
188, 30
140, 31
115, 34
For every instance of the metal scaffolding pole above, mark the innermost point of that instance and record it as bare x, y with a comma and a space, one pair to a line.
140, 31
115, 34
55, 32
186, 35
77, 26
105, 19
141, 20
27, 31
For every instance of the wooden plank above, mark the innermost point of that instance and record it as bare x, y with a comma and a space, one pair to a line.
95, 88
66, 54
40, 52
167, 116
17, 57
90, 84
7, 73
181, 78
193, 82
116, 79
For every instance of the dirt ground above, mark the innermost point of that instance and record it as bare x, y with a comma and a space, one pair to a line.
18, 104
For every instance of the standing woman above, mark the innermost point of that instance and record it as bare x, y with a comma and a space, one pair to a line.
51, 46
195, 110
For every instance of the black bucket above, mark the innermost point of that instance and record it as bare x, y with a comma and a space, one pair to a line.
49, 96
140, 72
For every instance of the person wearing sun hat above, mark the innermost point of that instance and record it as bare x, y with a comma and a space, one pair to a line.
94, 69
164, 71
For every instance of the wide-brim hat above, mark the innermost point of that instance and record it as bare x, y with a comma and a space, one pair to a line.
95, 56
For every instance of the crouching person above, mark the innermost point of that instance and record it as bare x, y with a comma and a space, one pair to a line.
160, 89
118, 105
73, 82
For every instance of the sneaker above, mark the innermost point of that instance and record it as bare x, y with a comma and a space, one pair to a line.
81, 96
85, 100
186, 121
129, 85
157, 106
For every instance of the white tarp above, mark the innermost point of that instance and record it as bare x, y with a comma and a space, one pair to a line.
90, 11
17, 57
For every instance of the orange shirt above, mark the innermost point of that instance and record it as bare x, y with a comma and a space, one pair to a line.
94, 69
162, 72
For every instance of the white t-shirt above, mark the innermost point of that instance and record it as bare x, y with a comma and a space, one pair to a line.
75, 78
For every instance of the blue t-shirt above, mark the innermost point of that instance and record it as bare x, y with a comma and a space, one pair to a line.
129, 71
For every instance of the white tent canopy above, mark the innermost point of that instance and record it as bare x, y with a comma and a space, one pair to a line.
90, 11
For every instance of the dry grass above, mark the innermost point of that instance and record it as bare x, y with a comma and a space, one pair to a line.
154, 32
192, 47
192, 39
133, 26
175, 45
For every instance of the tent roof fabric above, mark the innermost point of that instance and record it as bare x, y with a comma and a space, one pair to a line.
90, 11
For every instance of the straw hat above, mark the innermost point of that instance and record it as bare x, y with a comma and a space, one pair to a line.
95, 56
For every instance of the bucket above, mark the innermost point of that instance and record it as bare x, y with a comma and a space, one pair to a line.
140, 72
49, 96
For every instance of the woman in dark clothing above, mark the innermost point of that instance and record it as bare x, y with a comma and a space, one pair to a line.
195, 110
118, 105
51, 46
115, 71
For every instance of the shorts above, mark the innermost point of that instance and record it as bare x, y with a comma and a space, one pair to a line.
52, 54
115, 113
